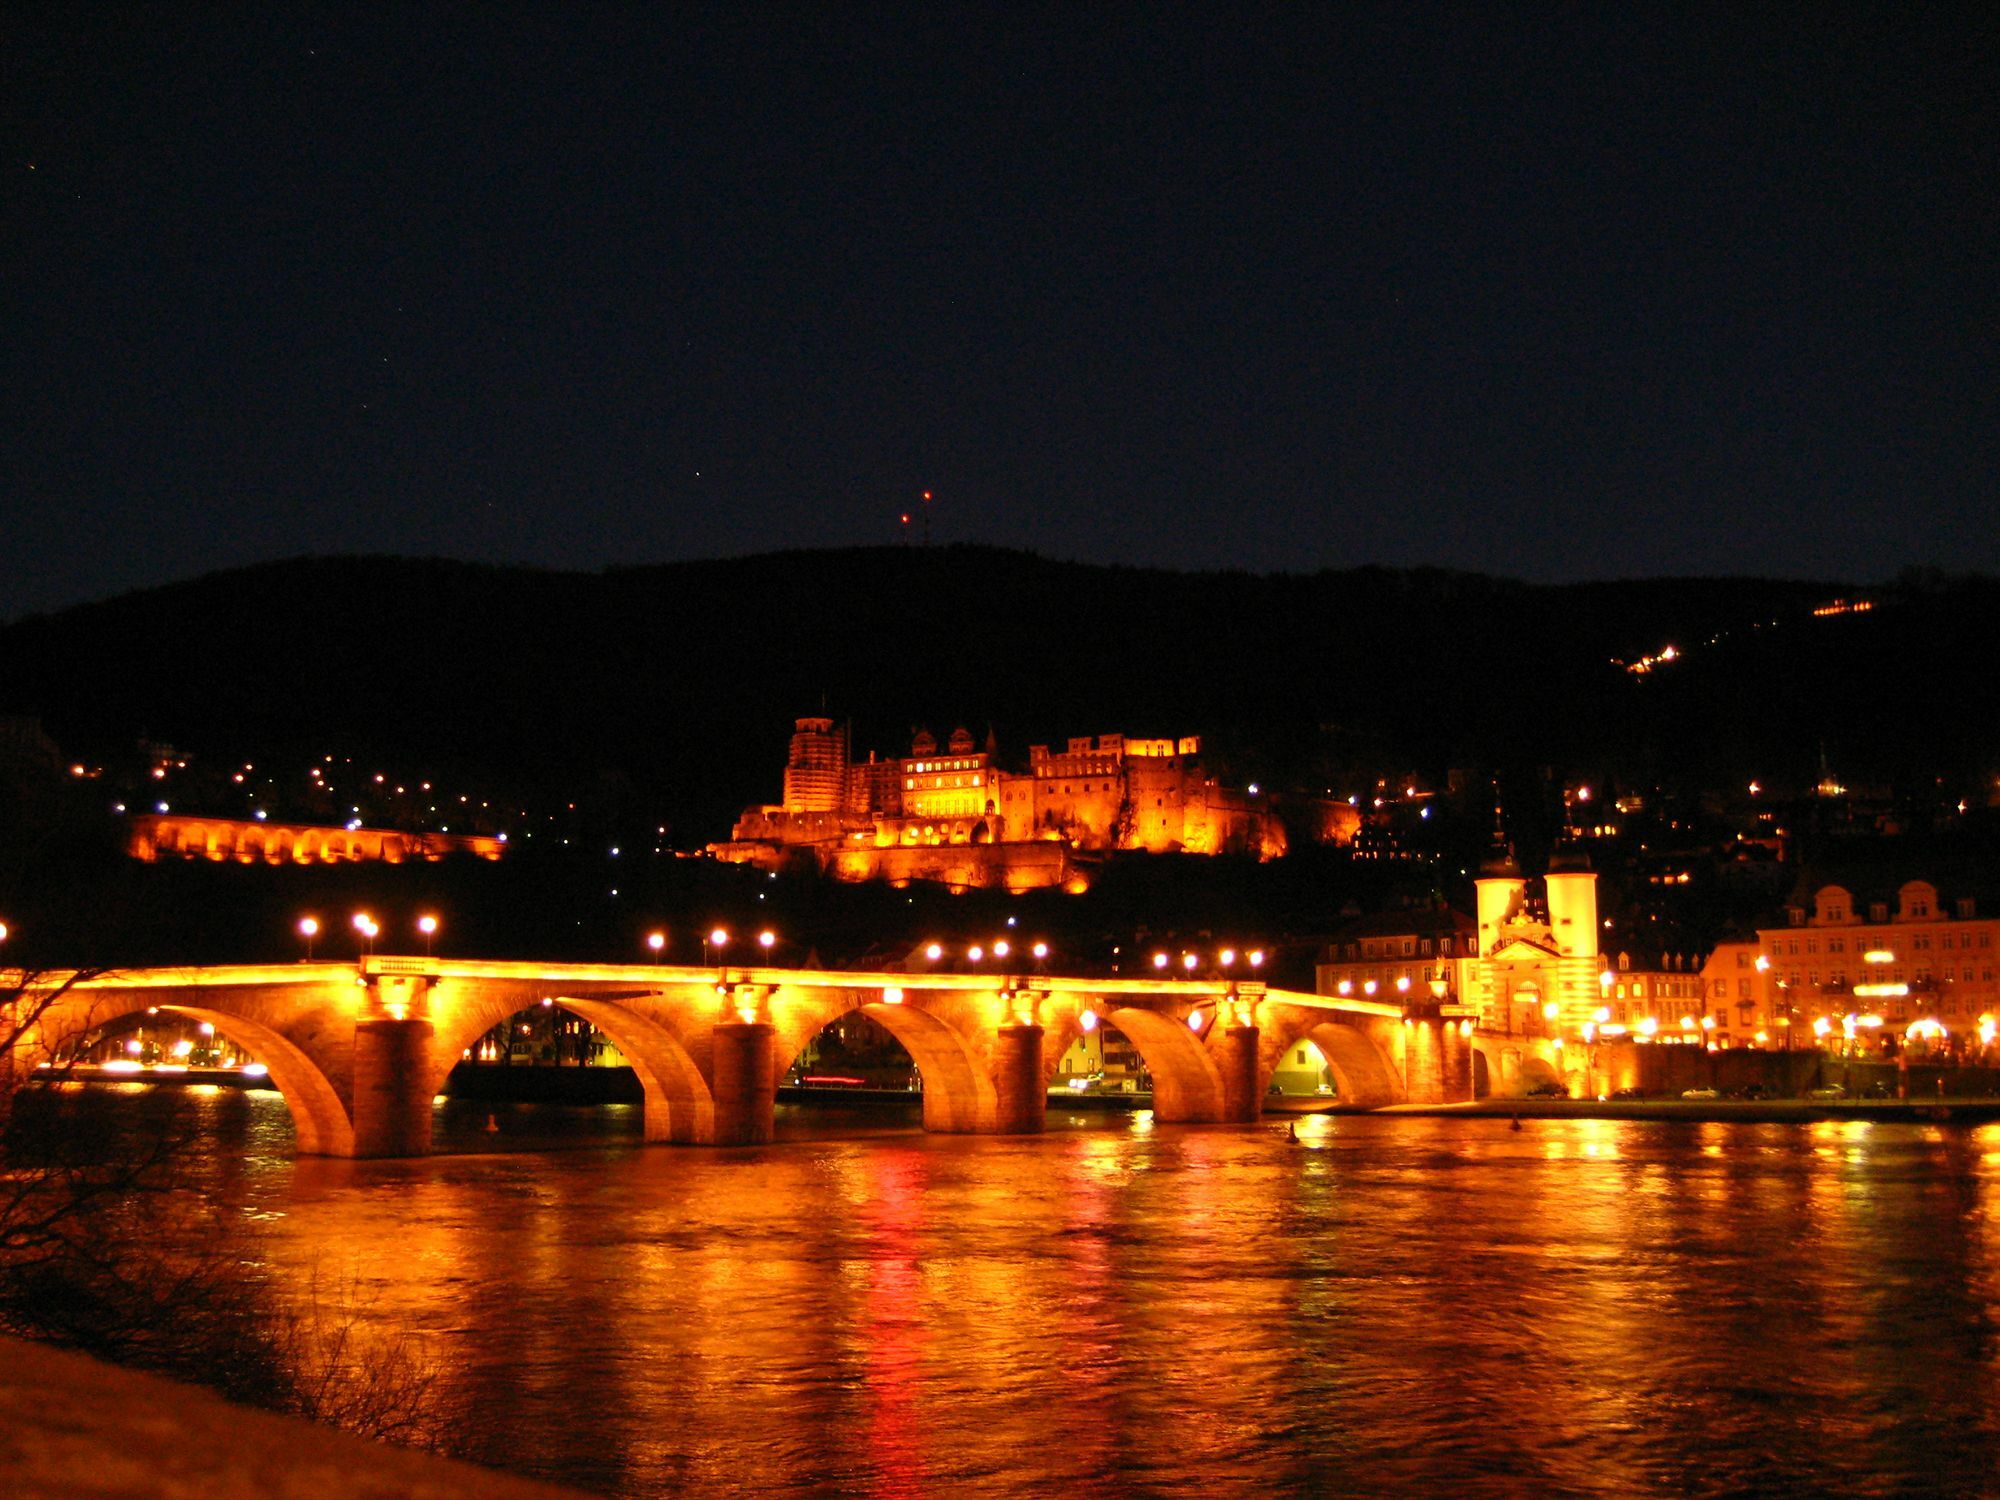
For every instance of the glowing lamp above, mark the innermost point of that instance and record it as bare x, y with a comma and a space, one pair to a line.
427, 925
656, 941
1194, 1020
1188, 962
1368, 987
1256, 958
1000, 949
1403, 984
1346, 986
1041, 950
1159, 960
766, 939
308, 927
719, 937
892, 994
934, 951
1226, 957
1088, 1020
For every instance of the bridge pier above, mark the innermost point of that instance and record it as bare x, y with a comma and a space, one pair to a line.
745, 1082
392, 1095
1242, 1104
1021, 1098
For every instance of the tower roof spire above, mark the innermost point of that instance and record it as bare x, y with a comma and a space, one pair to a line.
1499, 863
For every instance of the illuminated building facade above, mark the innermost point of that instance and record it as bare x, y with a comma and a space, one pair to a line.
871, 819
1864, 957
154, 836
1530, 964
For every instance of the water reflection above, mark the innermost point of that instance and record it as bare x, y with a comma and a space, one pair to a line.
1388, 1306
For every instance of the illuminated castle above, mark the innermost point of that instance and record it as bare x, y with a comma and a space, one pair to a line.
958, 816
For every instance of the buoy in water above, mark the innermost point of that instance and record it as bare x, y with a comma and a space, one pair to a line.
1292, 1130
1517, 1122
492, 1124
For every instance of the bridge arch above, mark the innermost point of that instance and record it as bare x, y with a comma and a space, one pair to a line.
320, 1119
1187, 1086
1509, 1067
958, 1092
1362, 1074
679, 1105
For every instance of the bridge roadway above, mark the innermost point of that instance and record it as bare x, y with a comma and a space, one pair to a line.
359, 1050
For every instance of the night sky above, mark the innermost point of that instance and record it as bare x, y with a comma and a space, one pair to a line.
1564, 293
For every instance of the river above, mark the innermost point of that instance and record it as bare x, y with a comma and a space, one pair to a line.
1388, 1307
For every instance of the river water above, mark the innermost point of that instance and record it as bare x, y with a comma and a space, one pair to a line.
1388, 1307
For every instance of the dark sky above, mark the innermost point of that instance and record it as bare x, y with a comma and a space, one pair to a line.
1569, 292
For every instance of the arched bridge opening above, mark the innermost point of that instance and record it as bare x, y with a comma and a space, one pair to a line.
891, 1044
570, 1031
186, 1036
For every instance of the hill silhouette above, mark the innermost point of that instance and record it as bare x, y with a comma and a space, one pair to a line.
681, 680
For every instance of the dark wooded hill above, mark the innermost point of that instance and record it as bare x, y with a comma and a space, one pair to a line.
681, 681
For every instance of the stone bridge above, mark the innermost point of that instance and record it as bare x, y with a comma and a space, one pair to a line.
360, 1050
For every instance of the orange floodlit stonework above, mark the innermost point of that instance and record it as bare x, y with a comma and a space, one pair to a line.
954, 814
172, 836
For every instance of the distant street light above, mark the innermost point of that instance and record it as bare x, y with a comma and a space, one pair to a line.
767, 940
656, 941
365, 925
309, 929
428, 926
718, 939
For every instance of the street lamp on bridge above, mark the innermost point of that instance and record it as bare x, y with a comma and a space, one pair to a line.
309, 929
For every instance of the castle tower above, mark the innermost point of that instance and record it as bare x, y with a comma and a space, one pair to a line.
816, 768
1501, 893
1572, 888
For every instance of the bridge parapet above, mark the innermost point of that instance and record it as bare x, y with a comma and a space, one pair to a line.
360, 1049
